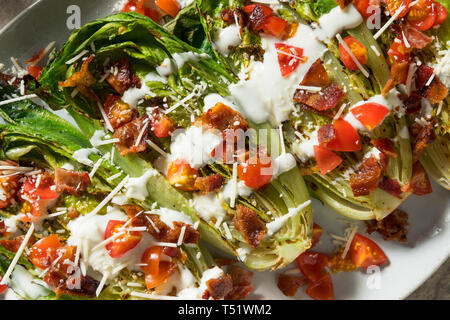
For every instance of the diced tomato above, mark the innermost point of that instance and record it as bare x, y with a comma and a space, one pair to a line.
312, 265
43, 252
358, 50
162, 127
266, 10
256, 172
156, 271
274, 25
170, 7
181, 175
122, 243
346, 137
40, 196
316, 234
321, 289
398, 52
3, 287
365, 252
289, 57
35, 71
394, 5
370, 114
363, 7
139, 7
441, 13
326, 160
422, 15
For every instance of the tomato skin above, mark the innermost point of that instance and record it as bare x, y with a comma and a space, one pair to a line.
398, 52
312, 265
316, 234
256, 173
156, 271
394, 5
163, 127
363, 5
35, 71
171, 7
326, 160
274, 25
288, 63
321, 289
358, 50
130, 6
365, 252
346, 137
40, 197
441, 13
370, 114
266, 10
422, 16
181, 175
43, 252
3, 287
122, 244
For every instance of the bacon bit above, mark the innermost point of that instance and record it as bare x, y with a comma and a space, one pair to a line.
242, 284
391, 186
209, 183
87, 287
13, 244
328, 98
420, 184
316, 76
366, 180
422, 74
3, 229
9, 80
413, 103
222, 117
337, 264
257, 18
73, 213
82, 80
415, 38
399, 73
224, 262
128, 135
414, 129
326, 133
316, 234
72, 182
425, 136
228, 16
289, 284
384, 161
218, 288
125, 78
167, 234
118, 112
437, 91
343, 3
36, 57
386, 146
9, 185
393, 227
247, 222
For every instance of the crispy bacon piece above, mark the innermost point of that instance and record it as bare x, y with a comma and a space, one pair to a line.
386, 146
437, 91
366, 180
326, 133
9, 184
256, 18
3, 229
316, 76
229, 16
218, 288
422, 74
413, 102
118, 112
128, 136
415, 38
167, 234
70, 181
222, 117
84, 286
393, 227
36, 57
420, 184
247, 222
391, 186
242, 283
343, 3
124, 78
13, 244
399, 73
425, 136
337, 264
289, 284
82, 80
328, 98
209, 183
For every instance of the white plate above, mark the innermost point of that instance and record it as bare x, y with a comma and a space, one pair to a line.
410, 264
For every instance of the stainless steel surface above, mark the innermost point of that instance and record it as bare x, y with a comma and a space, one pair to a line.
436, 287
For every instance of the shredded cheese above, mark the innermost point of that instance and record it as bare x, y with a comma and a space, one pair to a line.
29, 96
77, 57
109, 197
105, 118
309, 88
234, 185
156, 147
181, 237
389, 22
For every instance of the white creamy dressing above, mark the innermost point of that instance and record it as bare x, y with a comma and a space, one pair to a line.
194, 145
266, 95
196, 293
97, 138
241, 190
209, 206
304, 149
136, 188
169, 216
169, 66
373, 152
278, 223
90, 230
338, 20
213, 98
442, 68
283, 163
228, 38
133, 95
82, 156
184, 3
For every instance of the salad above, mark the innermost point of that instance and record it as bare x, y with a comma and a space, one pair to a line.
172, 149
